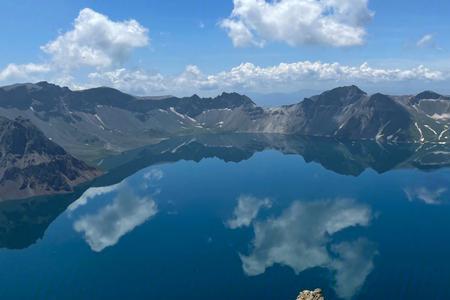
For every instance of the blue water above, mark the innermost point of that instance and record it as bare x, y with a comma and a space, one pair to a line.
265, 227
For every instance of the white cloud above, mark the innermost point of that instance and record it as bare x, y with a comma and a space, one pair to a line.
96, 41
250, 77
246, 211
296, 22
126, 212
301, 237
103, 45
240, 34
425, 41
25, 71
242, 78
137, 82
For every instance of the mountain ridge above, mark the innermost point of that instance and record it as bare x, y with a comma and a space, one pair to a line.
101, 121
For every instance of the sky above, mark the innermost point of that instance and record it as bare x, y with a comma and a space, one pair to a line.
182, 47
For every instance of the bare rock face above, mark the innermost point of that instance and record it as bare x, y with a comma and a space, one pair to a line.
32, 165
311, 295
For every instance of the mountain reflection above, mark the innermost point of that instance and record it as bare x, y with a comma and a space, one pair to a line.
22, 222
301, 238
346, 158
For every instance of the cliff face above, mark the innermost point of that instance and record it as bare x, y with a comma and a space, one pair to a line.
32, 165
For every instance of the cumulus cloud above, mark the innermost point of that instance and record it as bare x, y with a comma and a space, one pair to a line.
243, 78
296, 22
102, 45
137, 82
246, 211
240, 34
126, 212
300, 238
24, 71
250, 77
96, 41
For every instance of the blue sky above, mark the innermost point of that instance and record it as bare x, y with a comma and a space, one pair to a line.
185, 47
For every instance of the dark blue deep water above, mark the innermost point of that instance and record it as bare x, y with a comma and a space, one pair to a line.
245, 219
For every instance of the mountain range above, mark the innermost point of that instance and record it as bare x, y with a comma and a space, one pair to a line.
100, 121
55, 128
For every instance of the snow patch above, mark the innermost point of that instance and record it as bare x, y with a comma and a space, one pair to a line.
422, 139
103, 125
431, 129
172, 109
442, 134
380, 133
183, 144
177, 113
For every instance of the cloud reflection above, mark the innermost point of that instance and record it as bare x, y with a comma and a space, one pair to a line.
426, 195
247, 209
300, 238
125, 212
353, 264
116, 219
92, 193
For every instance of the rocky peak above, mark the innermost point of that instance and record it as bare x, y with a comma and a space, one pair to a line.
340, 96
195, 97
428, 95
234, 99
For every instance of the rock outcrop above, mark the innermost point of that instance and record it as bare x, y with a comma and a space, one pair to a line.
32, 165
311, 295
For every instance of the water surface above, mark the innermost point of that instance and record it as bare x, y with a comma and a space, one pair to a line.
239, 217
